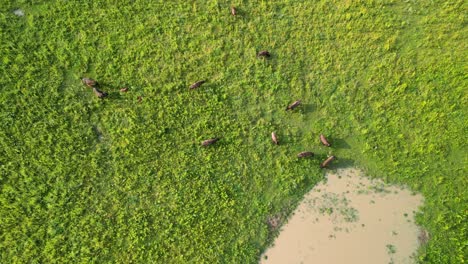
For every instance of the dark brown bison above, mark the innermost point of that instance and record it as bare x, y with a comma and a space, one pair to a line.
99, 93
327, 162
209, 141
197, 84
274, 138
293, 105
264, 54
89, 82
233, 11
324, 140
305, 154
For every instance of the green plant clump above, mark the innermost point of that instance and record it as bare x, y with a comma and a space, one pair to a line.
116, 180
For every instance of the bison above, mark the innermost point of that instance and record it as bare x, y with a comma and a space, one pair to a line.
327, 161
89, 82
305, 154
99, 93
233, 11
293, 105
197, 84
209, 141
274, 138
264, 54
324, 140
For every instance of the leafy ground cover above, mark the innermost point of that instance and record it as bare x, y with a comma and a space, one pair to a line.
114, 180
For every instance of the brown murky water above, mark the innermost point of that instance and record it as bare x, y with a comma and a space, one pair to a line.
350, 219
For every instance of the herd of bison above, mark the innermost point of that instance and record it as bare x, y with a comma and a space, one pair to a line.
262, 54
93, 84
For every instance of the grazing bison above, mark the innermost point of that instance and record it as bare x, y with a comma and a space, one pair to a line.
197, 84
233, 11
274, 138
305, 154
124, 90
264, 54
89, 82
327, 162
99, 93
324, 140
209, 141
293, 105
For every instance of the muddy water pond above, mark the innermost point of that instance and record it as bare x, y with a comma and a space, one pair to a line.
350, 218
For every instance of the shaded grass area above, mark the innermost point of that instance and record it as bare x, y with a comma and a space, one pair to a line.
115, 180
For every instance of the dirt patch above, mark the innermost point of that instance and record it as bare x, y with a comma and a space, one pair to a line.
350, 219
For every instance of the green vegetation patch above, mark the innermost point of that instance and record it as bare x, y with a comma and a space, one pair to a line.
117, 180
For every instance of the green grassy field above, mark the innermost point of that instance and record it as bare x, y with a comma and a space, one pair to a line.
92, 181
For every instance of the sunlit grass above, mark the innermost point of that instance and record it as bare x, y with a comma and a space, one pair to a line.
115, 180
